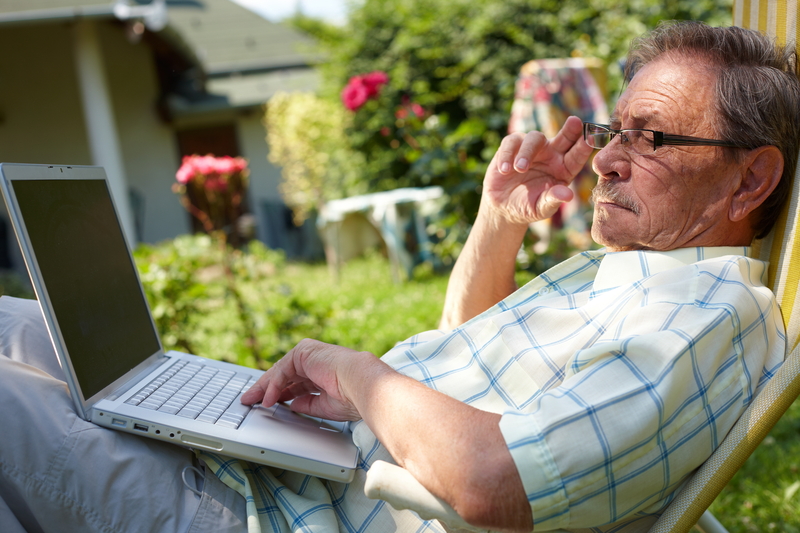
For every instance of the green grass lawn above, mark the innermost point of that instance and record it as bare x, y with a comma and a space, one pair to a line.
764, 495
365, 310
274, 304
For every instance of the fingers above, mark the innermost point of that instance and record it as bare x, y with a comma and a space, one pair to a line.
517, 150
569, 135
550, 200
310, 367
270, 386
296, 390
570, 138
254, 394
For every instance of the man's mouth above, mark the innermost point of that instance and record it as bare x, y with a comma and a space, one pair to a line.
605, 194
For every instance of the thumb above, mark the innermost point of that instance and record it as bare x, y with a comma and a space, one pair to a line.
305, 404
551, 199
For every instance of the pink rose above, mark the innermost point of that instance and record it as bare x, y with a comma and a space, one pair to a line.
374, 81
205, 165
240, 164
225, 165
361, 88
417, 109
186, 172
355, 93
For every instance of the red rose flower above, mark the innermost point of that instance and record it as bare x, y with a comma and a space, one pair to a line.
374, 81
355, 93
361, 88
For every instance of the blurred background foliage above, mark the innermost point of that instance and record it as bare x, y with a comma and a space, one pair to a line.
189, 295
190, 290
452, 67
306, 136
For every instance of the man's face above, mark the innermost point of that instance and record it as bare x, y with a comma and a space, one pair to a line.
680, 195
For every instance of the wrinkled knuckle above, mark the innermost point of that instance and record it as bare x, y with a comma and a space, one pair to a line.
511, 141
534, 138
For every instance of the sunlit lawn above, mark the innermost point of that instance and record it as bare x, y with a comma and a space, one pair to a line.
764, 495
366, 310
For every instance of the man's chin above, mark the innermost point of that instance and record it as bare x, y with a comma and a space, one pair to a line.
614, 239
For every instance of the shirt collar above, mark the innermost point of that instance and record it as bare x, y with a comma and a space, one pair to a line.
622, 268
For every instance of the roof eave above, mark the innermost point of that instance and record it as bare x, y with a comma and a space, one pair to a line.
43, 16
39, 16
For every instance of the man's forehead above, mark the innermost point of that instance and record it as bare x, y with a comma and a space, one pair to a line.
664, 92
638, 112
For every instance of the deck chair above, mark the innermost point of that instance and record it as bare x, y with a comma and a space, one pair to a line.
782, 249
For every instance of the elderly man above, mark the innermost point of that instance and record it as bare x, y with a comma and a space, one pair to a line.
585, 398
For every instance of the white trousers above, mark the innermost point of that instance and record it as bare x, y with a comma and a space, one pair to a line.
60, 473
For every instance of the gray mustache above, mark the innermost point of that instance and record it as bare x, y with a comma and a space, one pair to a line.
605, 192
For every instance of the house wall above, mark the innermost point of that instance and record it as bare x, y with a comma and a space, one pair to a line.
148, 144
40, 108
42, 121
264, 176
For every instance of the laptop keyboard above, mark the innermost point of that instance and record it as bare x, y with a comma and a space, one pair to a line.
193, 390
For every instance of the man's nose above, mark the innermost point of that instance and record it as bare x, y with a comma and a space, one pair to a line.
612, 161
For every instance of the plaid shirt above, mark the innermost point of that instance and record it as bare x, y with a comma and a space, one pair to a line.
617, 374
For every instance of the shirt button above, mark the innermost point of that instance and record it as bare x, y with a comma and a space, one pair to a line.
544, 290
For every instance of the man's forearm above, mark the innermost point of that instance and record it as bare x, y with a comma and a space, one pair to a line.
456, 451
484, 272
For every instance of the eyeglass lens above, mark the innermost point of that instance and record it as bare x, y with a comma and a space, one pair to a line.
635, 141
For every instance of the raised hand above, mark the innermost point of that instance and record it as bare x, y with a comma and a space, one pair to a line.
529, 175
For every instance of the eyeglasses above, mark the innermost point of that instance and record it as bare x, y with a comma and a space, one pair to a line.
643, 142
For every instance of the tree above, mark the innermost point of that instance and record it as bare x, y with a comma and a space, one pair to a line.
452, 67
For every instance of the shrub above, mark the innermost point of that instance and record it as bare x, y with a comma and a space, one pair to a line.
252, 321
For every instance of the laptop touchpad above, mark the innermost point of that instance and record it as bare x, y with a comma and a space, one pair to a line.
283, 413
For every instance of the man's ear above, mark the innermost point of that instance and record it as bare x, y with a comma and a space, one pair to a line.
761, 172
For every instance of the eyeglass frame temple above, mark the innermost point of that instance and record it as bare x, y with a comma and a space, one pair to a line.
665, 139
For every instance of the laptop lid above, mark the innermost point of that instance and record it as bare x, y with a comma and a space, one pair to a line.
92, 300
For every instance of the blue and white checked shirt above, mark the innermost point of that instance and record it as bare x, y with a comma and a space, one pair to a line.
617, 374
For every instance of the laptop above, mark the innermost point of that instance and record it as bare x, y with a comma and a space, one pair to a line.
105, 338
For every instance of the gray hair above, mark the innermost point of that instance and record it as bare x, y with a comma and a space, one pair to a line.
757, 91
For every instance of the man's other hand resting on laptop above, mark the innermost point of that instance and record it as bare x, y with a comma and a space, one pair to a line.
332, 382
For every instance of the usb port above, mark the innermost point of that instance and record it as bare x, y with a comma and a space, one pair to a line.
140, 427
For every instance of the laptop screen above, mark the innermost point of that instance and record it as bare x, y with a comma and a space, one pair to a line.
90, 277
